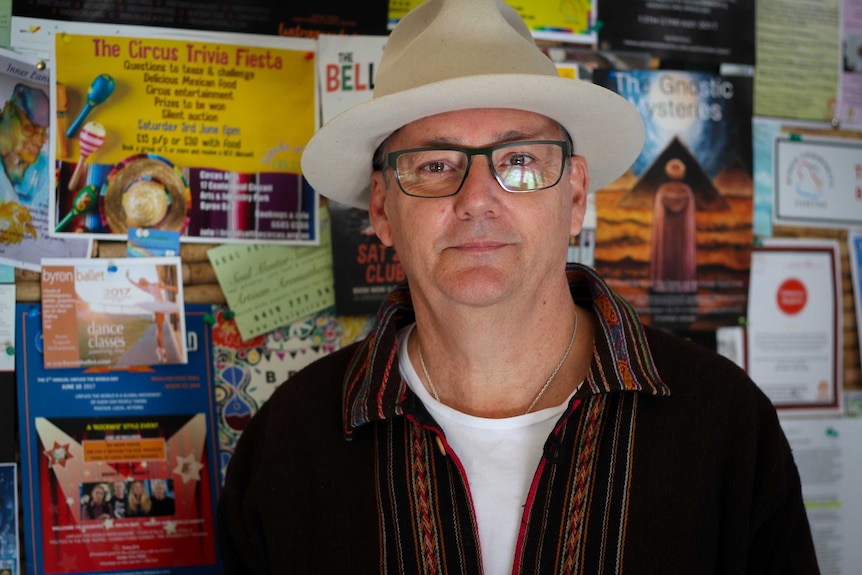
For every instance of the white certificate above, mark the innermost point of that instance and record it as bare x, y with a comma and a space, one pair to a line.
794, 331
828, 453
818, 181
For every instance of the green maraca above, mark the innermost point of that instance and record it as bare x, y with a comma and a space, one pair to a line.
84, 201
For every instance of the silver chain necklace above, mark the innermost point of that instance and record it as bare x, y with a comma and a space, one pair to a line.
541, 391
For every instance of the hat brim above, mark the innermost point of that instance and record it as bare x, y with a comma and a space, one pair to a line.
606, 129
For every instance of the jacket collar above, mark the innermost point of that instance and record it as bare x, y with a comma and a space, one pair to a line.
374, 389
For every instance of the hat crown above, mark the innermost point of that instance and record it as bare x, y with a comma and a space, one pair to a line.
448, 55
439, 40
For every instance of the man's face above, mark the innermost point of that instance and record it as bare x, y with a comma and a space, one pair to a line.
20, 141
119, 489
483, 245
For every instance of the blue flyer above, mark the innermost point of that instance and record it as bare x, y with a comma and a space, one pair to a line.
118, 464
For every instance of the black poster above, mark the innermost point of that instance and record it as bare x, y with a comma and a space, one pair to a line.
680, 30
300, 19
365, 270
8, 420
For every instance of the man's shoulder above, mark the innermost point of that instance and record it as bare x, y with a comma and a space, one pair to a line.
666, 342
710, 397
684, 364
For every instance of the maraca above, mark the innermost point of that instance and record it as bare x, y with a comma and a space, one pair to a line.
83, 202
100, 89
92, 136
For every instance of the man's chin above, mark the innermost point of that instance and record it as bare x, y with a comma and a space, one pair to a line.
479, 286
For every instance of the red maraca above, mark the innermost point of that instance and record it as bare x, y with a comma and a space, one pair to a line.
91, 137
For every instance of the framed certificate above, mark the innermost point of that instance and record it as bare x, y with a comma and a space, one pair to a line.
794, 326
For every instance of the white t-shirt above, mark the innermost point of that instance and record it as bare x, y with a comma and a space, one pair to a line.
500, 458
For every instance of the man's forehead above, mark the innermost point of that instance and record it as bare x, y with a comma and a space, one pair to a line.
484, 125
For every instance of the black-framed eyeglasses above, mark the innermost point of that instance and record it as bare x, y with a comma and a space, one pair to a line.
438, 172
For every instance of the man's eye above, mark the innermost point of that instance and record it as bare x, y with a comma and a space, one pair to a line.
435, 167
516, 160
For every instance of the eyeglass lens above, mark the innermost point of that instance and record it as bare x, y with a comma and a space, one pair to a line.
518, 167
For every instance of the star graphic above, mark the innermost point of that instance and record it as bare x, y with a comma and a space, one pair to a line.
70, 501
170, 527
189, 468
109, 523
58, 454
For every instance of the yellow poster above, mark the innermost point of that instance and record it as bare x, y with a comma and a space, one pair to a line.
203, 137
553, 19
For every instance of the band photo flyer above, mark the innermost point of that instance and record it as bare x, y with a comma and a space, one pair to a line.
118, 465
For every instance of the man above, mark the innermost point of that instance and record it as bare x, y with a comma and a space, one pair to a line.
24, 124
95, 506
504, 415
162, 503
118, 499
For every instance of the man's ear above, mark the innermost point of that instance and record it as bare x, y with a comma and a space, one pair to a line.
579, 180
377, 209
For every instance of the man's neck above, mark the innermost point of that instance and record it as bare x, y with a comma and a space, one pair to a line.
493, 362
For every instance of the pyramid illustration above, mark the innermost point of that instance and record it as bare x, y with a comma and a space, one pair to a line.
706, 196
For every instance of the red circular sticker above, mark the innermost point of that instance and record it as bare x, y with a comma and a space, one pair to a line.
792, 296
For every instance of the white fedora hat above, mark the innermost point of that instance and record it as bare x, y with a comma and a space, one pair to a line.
449, 55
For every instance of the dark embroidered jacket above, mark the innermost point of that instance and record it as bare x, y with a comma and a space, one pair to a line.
344, 471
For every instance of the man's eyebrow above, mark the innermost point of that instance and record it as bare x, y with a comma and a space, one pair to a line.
501, 138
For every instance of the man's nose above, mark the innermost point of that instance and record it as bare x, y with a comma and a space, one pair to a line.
480, 191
